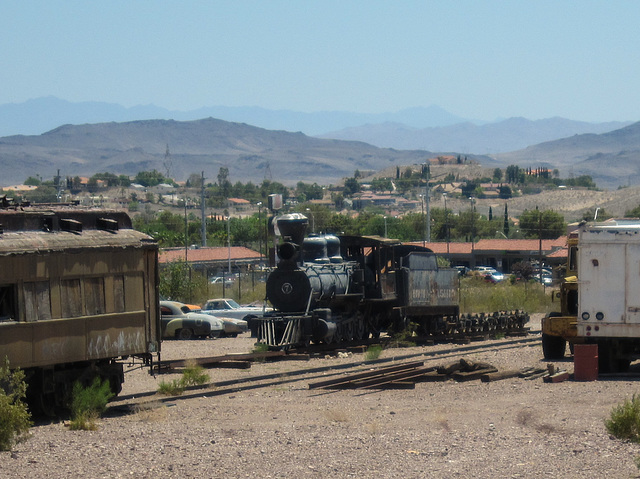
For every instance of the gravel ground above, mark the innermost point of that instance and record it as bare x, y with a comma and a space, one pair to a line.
510, 428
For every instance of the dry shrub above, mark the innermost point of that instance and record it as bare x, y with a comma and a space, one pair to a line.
151, 411
526, 418
373, 428
336, 415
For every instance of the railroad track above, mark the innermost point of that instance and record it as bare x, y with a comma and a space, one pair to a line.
127, 403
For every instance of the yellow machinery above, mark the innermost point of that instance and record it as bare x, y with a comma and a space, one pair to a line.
560, 327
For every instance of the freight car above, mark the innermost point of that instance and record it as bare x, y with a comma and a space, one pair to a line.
78, 291
330, 288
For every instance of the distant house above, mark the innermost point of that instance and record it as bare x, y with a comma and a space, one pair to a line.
448, 188
238, 204
370, 199
163, 189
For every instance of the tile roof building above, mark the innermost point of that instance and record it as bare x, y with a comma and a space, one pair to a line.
212, 259
502, 253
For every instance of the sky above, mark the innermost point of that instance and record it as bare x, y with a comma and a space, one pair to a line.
482, 60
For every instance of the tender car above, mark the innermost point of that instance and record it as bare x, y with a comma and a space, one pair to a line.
232, 326
178, 321
228, 308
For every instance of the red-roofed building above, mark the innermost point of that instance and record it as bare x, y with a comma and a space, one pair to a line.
212, 259
238, 203
502, 253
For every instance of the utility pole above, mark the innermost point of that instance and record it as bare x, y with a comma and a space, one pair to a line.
540, 246
203, 216
473, 227
428, 217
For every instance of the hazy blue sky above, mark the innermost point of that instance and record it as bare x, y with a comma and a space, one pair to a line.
477, 59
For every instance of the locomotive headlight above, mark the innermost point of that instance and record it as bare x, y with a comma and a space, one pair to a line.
599, 315
585, 315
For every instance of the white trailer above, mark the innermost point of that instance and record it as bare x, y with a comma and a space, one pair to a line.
609, 291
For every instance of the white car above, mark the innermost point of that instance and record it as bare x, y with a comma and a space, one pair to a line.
228, 308
177, 321
495, 275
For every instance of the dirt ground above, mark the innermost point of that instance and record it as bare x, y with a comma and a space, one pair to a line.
512, 428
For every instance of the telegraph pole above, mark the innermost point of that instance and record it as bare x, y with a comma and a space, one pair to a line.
203, 217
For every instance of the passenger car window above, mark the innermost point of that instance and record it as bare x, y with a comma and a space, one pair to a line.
8, 303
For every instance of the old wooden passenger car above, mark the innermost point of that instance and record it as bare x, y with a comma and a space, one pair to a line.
78, 291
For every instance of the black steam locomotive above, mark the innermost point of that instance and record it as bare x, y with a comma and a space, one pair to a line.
329, 288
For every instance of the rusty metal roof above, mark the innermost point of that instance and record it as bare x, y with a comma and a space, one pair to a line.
42, 229
44, 242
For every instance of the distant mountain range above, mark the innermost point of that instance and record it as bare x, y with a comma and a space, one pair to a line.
609, 152
612, 159
40, 115
430, 128
507, 135
250, 153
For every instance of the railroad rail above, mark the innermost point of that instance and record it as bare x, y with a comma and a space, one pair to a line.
126, 403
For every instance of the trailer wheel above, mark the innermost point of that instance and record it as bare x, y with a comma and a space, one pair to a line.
553, 347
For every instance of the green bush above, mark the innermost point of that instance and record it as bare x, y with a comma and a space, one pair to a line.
171, 388
624, 422
15, 419
405, 337
193, 375
373, 352
88, 404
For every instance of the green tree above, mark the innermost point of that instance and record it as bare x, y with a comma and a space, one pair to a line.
505, 225
42, 194
109, 178
351, 187
505, 192
32, 181
15, 419
175, 281
544, 224
150, 178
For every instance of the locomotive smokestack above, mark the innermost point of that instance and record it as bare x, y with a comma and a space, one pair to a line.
292, 227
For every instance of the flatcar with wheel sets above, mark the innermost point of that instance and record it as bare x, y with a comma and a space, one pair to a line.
334, 289
78, 293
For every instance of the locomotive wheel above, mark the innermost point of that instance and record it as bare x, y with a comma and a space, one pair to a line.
349, 332
360, 328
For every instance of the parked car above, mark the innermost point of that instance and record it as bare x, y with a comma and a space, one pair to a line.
178, 321
229, 308
490, 274
545, 279
462, 270
232, 326
228, 281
